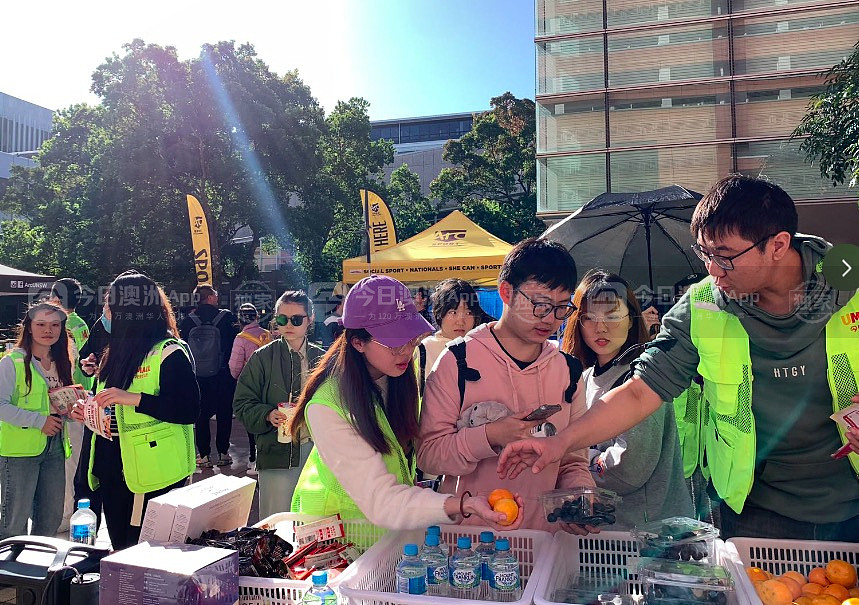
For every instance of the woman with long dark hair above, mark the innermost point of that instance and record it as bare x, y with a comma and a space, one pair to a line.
33, 442
361, 406
147, 378
644, 464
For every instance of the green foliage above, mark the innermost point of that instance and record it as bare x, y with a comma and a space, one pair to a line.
831, 124
412, 211
495, 170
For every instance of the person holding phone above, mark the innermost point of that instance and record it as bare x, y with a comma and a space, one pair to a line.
275, 373
512, 363
644, 464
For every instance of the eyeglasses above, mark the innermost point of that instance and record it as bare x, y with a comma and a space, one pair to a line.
591, 319
409, 347
542, 309
295, 320
725, 262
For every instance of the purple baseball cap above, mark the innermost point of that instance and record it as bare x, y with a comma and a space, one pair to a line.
384, 307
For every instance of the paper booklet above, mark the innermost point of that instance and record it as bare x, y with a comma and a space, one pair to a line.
63, 398
97, 419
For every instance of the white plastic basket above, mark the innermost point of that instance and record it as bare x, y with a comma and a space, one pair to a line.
779, 556
371, 580
608, 554
274, 591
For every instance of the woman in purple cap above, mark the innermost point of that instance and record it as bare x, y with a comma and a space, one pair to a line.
361, 406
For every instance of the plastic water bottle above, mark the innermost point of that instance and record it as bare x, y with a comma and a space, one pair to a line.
465, 571
505, 583
82, 524
436, 567
485, 549
319, 593
435, 529
411, 572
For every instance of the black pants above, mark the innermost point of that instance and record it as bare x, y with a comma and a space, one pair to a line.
760, 523
81, 482
118, 502
216, 399
252, 443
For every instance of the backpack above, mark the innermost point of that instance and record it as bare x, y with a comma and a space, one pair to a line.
263, 339
466, 374
204, 340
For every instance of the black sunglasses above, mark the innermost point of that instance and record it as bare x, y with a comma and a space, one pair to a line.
295, 320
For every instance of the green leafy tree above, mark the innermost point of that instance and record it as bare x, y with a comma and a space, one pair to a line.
831, 124
495, 170
413, 212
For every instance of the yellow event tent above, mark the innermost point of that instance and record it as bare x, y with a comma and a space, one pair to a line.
453, 247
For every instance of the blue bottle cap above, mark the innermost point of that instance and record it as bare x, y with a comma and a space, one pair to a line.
319, 578
410, 550
431, 540
434, 529
463, 542
502, 544
487, 536
83, 503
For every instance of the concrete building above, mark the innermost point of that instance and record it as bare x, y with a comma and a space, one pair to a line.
419, 142
638, 94
24, 127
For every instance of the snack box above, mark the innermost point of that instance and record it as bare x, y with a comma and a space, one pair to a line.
678, 539
581, 505
667, 582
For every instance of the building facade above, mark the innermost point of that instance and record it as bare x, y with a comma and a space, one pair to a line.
634, 95
24, 127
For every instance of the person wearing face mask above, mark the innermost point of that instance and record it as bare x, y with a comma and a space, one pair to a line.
643, 465
275, 373
251, 338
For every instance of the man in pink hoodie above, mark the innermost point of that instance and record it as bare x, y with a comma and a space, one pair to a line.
519, 368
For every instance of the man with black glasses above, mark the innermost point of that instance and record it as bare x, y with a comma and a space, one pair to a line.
774, 344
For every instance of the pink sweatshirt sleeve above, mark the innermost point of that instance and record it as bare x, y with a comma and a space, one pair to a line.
574, 471
442, 448
238, 357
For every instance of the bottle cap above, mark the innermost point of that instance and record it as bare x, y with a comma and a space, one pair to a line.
502, 544
434, 529
410, 550
320, 578
487, 536
83, 503
463, 542
432, 540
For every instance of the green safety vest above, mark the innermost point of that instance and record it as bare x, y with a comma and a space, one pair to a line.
154, 453
80, 334
318, 491
728, 430
687, 412
19, 441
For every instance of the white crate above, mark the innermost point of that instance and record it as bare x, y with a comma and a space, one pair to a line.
275, 591
779, 556
612, 554
371, 580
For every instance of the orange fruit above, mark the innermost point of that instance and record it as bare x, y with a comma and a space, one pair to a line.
803, 600
795, 587
818, 576
841, 573
837, 591
756, 574
796, 576
509, 507
850, 601
773, 592
824, 599
812, 589
853, 592
499, 494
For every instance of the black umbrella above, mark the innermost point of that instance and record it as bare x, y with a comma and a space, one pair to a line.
644, 237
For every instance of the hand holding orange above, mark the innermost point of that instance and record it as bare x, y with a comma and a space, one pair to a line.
502, 501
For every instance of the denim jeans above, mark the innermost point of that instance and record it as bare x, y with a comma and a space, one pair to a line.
276, 485
755, 522
32, 488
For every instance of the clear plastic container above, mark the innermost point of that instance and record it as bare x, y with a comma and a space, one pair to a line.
678, 539
684, 583
594, 590
581, 505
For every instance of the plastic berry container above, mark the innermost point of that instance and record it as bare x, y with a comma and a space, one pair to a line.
594, 590
667, 582
581, 505
677, 539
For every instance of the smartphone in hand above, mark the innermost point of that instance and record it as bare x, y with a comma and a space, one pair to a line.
543, 412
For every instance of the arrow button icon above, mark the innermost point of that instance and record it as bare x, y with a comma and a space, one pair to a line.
839, 264
848, 270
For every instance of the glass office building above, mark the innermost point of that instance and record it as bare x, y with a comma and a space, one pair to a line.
638, 94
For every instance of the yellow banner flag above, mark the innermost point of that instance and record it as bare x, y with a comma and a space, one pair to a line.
200, 241
381, 232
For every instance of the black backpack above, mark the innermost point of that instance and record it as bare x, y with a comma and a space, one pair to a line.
204, 340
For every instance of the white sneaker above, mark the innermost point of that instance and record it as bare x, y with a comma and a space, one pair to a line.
252, 469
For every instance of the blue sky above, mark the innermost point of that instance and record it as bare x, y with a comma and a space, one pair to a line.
407, 57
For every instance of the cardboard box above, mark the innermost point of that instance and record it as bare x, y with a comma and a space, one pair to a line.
220, 502
174, 574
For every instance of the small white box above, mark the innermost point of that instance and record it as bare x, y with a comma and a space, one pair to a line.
224, 507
